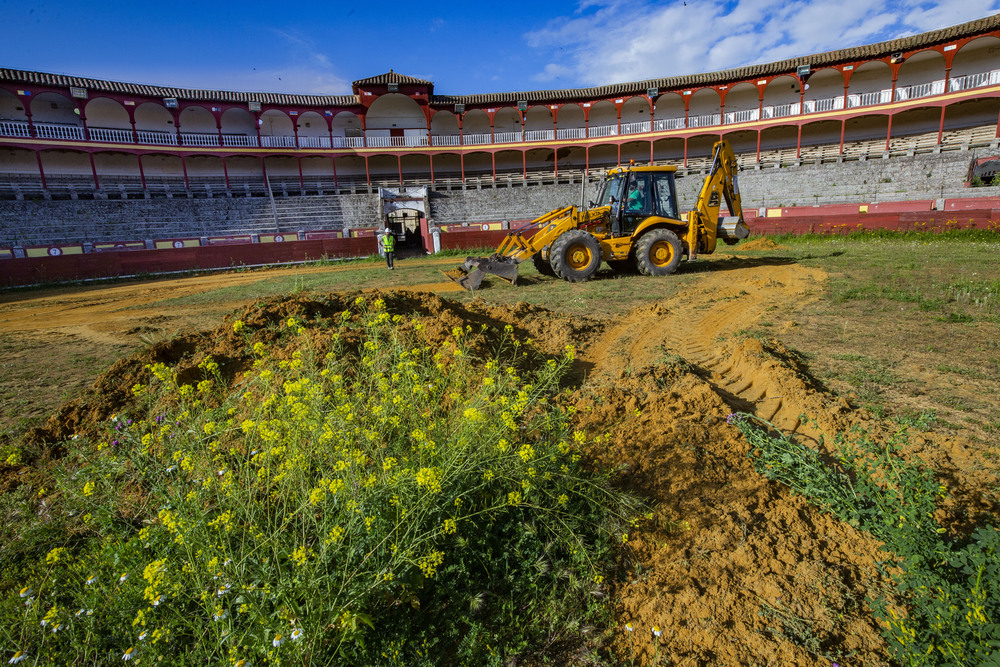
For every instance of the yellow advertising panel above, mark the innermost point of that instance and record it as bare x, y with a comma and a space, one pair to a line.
177, 243
53, 251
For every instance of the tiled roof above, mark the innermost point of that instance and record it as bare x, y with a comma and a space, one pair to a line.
749, 72
390, 77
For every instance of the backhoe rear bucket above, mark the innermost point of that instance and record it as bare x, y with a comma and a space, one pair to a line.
470, 274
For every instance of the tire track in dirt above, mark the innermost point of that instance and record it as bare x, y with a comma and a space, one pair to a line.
693, 326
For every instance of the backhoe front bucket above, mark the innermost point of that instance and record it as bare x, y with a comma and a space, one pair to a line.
470, 274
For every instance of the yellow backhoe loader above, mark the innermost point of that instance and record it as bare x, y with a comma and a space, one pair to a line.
634, 225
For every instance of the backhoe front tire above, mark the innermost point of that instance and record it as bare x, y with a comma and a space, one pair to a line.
658, 253
541, 264
575, 256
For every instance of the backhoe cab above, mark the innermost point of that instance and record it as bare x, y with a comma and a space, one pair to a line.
633, 225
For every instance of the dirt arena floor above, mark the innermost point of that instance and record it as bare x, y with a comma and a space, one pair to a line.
733, 568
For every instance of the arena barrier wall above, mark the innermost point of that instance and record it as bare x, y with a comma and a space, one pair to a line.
42, 265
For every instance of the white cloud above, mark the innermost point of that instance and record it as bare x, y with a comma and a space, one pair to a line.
610, 41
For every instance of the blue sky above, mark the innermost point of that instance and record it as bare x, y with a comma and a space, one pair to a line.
463, 47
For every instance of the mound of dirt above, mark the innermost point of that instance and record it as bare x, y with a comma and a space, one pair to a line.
760, 243
731, 567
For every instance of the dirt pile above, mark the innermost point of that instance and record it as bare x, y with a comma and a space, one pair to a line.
732, 568
761, 243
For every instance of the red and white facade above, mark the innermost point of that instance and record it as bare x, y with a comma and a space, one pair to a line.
394, 128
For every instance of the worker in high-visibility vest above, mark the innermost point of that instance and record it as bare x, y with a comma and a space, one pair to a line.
387, 242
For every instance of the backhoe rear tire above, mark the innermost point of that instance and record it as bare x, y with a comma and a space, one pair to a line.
575, 256
541, 264
658, 253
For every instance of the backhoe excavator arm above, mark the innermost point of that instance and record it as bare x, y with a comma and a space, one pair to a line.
704, 226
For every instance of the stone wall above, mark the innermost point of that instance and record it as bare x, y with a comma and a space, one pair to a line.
38, 222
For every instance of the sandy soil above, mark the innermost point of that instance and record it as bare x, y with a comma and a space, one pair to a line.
732, 568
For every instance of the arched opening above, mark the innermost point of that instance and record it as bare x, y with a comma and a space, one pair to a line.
744, 144
444, 129
344, 127
239, 128
636, 150
821, 140
317, 166
570, 122
384, 169
975, 64
11, 108
824, 91
669, 151
865, 135
742, 104
636, 116
915, 128
510, 162
154, 125
603, 120
782, 97
699, 150
506, 126
19, 161
921, 75
538, 124
396, 120
540, 160
416, 169
475, 128
447, 166
349, 169
276, 130
571, 157
870, 84
669, 112
603, 157
971, 122
103, 112
479, 163
312, 131
54, 108
704, 108
778, 144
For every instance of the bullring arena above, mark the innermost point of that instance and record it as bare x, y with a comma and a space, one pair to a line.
797, 437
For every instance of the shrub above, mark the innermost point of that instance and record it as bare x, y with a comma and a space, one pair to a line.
387, 502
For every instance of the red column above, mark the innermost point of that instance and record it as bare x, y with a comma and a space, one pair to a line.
843, 126
941, 125
26, 103
888, 133
619, 155
798, 144
368, 175
586, 160
758, 142
430, 157
41, 171
524, 165
399, 165
555, 161
493, 159
685, 145
184, 167
142, 173
651, 150
256, 118
302, 184
335, 184
225, 172
461, 165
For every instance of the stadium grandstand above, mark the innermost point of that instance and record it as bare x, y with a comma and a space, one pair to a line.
91, 165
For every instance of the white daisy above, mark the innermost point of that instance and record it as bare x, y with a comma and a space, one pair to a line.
656, 631
91, 579
158, 599
20, 656
143, 635
296, 635
123, 577
26, 592
278, 640
129, 654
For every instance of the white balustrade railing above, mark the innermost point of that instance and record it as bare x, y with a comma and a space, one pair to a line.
572, 133
603, 131
111, 135
410, 140
507, 137
636, 128
705, 120
476, 139
782, 110
378, 142
53, 131
446, 140
199, 139
157, 138
741, 116
664, 124
240, 140
976, 80
276, 141
314, 142
14, 128
826, 104
869, 99
918, 90
355, 142
539, 135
